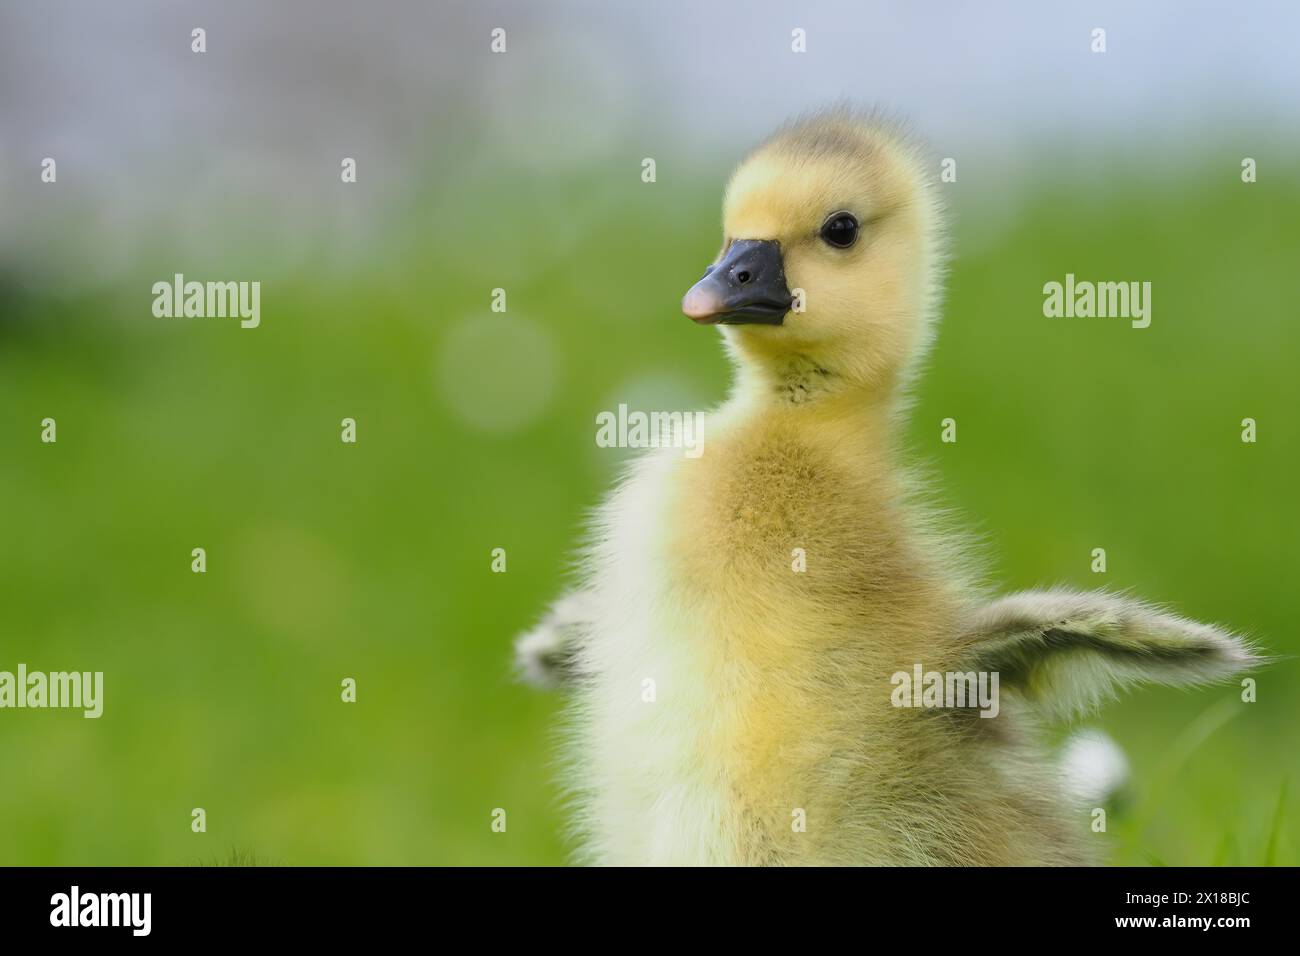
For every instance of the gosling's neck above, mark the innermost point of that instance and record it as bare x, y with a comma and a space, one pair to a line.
819, 393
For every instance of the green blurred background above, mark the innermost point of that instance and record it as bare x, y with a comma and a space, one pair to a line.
476, 431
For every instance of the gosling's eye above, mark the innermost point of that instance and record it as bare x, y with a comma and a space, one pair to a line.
840, 230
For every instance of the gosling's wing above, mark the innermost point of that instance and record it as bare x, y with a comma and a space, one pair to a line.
1069, 650
546, 656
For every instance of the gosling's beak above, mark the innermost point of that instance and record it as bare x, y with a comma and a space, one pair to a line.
747, 286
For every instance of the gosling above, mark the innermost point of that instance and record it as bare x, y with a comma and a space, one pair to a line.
735, 646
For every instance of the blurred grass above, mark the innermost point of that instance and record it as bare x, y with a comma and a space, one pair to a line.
372, 561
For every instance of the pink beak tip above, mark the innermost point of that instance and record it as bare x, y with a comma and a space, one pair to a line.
699, 305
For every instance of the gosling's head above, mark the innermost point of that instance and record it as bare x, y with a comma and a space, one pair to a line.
831, 253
